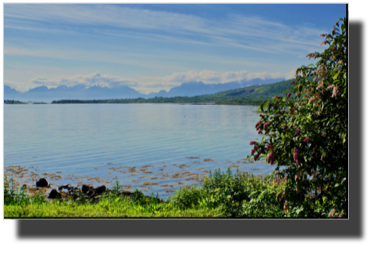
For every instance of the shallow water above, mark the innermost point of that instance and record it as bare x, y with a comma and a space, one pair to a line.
170, 145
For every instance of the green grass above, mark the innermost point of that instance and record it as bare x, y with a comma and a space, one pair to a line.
105, 208
221, 195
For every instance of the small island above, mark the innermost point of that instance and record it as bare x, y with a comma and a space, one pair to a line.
13, 102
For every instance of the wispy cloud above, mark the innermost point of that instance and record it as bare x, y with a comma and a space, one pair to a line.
238, 31
94, 79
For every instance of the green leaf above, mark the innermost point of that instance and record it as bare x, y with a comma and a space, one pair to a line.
336, 75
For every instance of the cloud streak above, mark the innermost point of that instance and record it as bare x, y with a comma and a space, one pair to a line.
243, 32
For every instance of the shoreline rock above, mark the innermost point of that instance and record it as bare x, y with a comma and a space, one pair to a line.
67, 191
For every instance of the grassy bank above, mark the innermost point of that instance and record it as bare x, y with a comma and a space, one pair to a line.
222, 195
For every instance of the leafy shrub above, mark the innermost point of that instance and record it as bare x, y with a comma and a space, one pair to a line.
185, 198
307, 133
237, 195
18, 196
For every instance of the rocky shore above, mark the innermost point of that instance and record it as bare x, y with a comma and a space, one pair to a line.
67, 191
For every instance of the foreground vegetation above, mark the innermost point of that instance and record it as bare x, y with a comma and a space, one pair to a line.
222, 195
307, 133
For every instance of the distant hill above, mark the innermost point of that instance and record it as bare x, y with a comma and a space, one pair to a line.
199, 88
11, 94
42, 93
81, 92
254, 94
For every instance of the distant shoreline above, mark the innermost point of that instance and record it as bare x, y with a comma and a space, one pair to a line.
25, 103
152, 102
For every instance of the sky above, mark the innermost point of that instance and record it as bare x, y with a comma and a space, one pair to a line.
151, 47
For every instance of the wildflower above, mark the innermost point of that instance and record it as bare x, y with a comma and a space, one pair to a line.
259, 131
306, 140
331, 214
257, 126
289, 94
324, 42
311, 99
269, 147
266, 132
252, 142
284, 127
270, 158
297, 132
261, 115
286, 205
257, 155
310, 55
253, 151
292, 83
296, 156
335, 92
319, 86
323, 35
330, 86
315, 78
266, 125
341, 215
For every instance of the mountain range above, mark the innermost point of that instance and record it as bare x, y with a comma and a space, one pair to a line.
81, 92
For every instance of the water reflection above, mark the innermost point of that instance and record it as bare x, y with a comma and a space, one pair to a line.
102, 141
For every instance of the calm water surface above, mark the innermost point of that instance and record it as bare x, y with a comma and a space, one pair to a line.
179, 143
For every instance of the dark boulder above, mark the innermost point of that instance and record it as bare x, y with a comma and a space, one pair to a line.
73, 190
67, 186
101, 189
86, 188
91, 192
54, 194
42, 183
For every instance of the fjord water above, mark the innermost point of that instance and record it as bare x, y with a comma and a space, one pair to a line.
91, 139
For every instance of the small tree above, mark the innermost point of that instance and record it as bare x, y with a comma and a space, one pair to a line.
306, 133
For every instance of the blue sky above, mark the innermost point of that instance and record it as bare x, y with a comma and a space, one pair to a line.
155, 47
